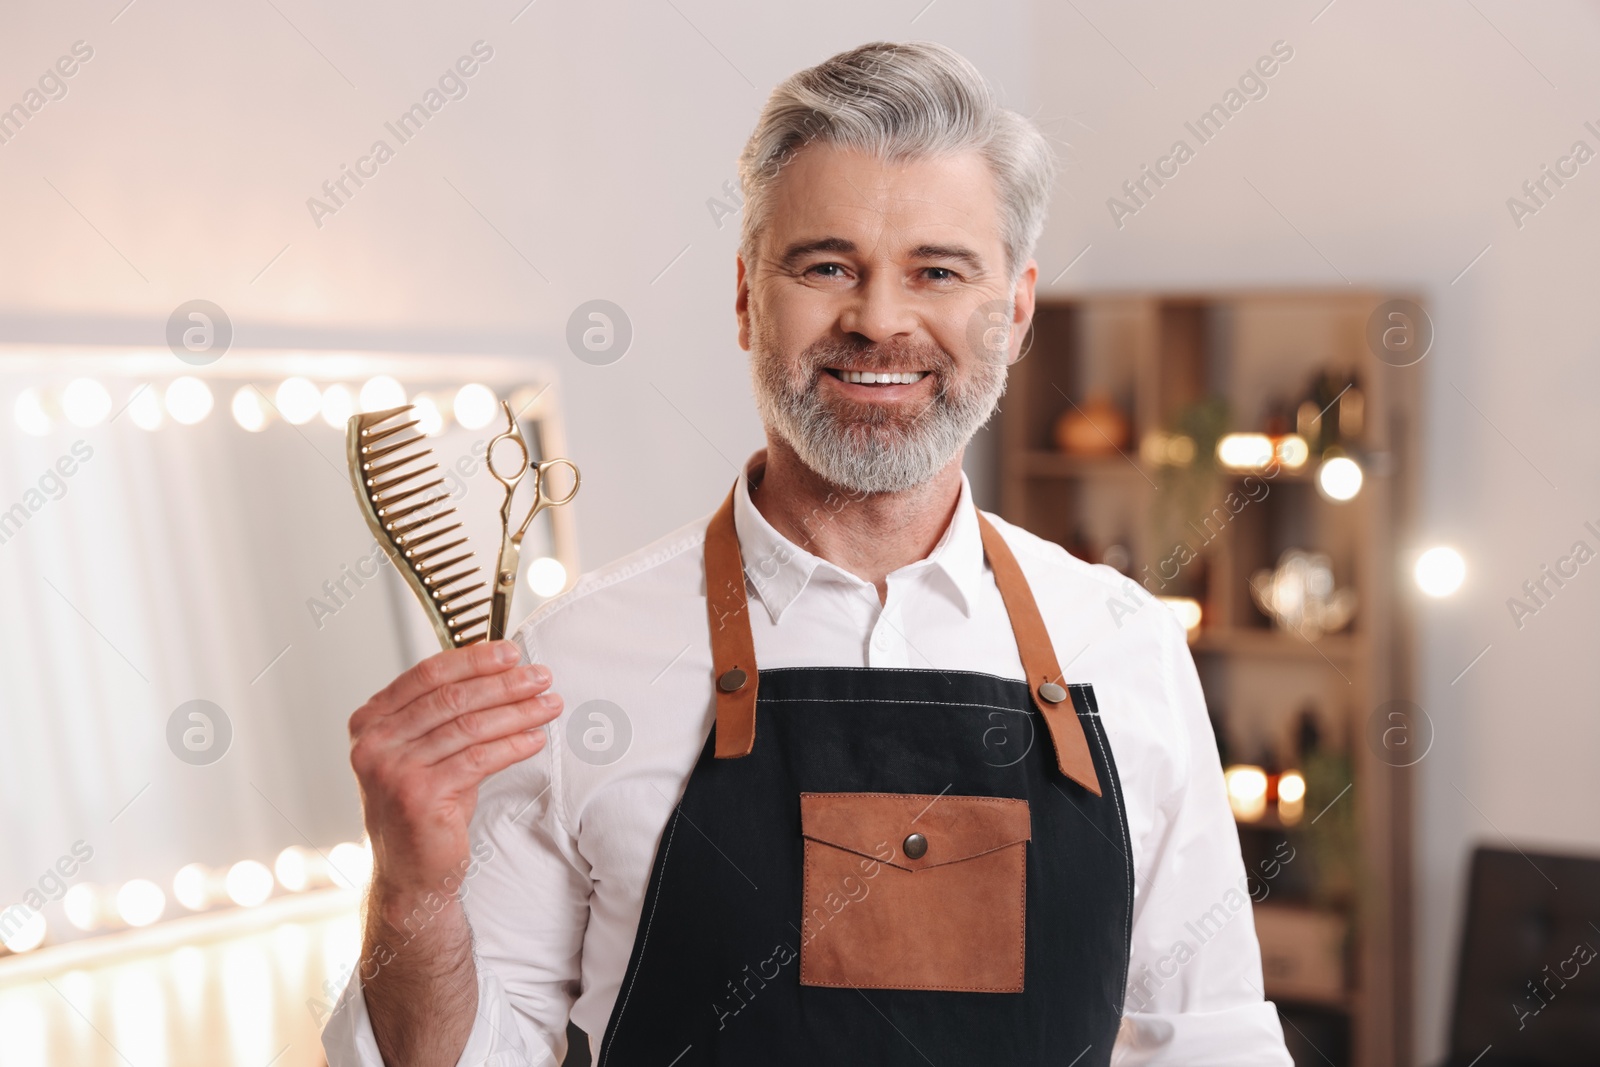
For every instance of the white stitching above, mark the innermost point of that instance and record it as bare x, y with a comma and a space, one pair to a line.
672, 830
1116, 797
886, 700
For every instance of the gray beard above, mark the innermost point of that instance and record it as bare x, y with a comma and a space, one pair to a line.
868, 449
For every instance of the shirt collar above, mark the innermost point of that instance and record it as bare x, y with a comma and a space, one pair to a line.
780, 570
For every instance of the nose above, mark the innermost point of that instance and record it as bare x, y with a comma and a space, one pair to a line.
879, 310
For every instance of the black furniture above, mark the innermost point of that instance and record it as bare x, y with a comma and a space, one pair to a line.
1528, 979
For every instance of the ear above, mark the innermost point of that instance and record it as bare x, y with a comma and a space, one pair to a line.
1022, 316
741, 302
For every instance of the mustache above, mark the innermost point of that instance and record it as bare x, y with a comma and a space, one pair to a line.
905, 356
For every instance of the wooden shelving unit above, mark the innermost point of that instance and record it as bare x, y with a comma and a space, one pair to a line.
1155, 356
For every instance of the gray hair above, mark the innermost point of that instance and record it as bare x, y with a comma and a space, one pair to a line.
901, 101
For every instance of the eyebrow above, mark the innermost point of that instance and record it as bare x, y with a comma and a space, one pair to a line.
801, 249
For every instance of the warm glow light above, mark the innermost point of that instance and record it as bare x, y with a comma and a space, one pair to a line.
30, 413
144, 408
382, 392
475, 406
1291, 797
1247, 791
1187, 609
1339, 478
1440, 571
140, 902
291, 869
430, 420
85, 402
249, 409
1244, 451
1293, 451
351, 865
191, 886
547, 576
337, 406
188, 400
249, 883
298, 400
21, 928
82, 906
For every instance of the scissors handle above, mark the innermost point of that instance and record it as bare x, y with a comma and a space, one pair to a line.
541, 496
514, 435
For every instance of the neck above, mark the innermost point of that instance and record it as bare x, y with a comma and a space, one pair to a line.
868, 536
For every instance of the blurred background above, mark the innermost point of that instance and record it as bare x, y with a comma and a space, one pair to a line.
1325, 372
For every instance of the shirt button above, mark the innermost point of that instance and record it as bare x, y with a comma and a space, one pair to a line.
880, 640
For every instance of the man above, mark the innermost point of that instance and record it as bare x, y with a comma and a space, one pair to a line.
902, 791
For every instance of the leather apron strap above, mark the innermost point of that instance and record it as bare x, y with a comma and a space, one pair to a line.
733, 654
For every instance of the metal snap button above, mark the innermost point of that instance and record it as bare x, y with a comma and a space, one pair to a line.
1052, 693
732, 681
915, 846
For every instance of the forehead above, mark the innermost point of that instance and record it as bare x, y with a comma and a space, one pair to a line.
886, 208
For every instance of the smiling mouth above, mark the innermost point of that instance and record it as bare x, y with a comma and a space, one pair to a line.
867, 377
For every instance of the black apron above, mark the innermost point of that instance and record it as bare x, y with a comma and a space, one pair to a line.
904, 867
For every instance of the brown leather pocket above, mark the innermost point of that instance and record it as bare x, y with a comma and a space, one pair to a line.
876, 915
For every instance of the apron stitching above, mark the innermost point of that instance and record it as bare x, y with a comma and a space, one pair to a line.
887, 700
1116, 796
648, 923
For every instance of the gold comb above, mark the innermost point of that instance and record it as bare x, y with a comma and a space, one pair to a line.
387, 457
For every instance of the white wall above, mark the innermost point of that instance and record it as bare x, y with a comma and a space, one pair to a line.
1390, 142
593, 138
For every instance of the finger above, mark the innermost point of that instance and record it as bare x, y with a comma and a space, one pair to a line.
469, 767
451, 665
433, 709
480, 727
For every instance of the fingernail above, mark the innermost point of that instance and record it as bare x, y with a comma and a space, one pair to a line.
507, 652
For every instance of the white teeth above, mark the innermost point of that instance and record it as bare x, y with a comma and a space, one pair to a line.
867, 377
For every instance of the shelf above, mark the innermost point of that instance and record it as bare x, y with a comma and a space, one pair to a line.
1042, 463
1275, 644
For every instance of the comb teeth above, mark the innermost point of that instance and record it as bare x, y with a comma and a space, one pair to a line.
386, 453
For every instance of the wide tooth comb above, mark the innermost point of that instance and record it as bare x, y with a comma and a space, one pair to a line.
383, 455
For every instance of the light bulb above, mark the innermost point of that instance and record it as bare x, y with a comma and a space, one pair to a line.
382, 392
546, 576
1247, 791
249, 409
350, 865
1339, 478
188, 400
30, 413
248, 883
144, 408
1244, 451
140, 902
82, 906
337, 406
192, 886
475, 406
85, 402
298, 400
430, 420
290, 867
1440, 571
21, 928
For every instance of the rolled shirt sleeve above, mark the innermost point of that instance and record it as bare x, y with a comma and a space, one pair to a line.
526, 900
1194, 976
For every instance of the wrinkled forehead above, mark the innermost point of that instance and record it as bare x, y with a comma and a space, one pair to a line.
847, 201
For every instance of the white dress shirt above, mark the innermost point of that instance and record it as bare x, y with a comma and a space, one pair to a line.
573, 830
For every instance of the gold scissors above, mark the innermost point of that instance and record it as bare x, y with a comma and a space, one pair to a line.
511, 543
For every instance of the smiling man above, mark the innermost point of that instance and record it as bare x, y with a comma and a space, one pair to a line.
849, 772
